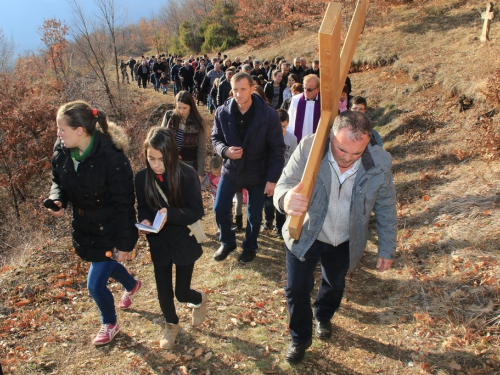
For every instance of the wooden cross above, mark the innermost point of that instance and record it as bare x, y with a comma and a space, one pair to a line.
487, 17
334, 67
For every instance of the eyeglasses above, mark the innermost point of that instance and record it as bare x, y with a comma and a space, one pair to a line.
310, 89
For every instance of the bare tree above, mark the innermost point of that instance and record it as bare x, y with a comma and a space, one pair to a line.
109, 16
91, 39
187, 14
171, 16
6, 52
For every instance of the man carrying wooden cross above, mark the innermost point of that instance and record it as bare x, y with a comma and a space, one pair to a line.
354, 179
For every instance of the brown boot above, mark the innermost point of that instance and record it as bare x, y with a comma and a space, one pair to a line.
169, 335
199, 311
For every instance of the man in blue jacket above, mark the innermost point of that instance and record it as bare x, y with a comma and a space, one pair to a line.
354, 179
247, 135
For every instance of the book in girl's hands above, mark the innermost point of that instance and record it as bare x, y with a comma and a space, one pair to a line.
155, 228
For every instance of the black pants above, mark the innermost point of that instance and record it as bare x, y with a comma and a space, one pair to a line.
269, 211
183, 291
144, 81
300, 283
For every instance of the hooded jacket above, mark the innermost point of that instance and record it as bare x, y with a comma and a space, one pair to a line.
102, 195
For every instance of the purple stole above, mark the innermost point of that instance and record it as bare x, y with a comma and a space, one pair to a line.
301, 112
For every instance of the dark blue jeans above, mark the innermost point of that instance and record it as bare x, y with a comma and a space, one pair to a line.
223, 205
269, 211
300, 283
99, 274
177, 86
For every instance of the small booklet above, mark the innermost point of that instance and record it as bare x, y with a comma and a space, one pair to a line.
155, 228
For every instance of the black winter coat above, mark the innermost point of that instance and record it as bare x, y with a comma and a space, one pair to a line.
173, 243
102, 194
269, 91
187, 74
143, 74
223, 92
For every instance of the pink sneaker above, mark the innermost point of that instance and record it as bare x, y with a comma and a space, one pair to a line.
126, 300
106, 334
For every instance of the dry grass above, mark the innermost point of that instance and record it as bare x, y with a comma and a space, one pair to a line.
302, 43
435, 43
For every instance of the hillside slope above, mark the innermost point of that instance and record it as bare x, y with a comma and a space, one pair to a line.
437, 311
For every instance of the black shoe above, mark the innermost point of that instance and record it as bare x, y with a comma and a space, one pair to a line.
279, 234
223, 252
247, 256
323, 330
295, 352
266, 227
239, 224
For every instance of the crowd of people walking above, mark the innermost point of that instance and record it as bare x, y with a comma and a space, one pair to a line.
265, 117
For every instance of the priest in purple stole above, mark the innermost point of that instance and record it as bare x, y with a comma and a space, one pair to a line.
305, 109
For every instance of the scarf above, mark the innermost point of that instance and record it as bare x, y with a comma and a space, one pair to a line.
343, 105
301, 112
75, 153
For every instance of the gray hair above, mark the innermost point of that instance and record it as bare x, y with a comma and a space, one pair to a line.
356, 122
246, 68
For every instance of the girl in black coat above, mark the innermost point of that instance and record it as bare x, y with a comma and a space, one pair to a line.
90, 170
172, 187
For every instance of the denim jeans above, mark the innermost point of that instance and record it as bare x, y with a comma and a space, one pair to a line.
300, 283
177, 87
269, 211
99, 274
223, 205
157, 82
211, 104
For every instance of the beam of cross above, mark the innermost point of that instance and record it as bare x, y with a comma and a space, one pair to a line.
334, 67
487, 17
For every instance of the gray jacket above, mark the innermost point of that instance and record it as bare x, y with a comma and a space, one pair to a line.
373, 191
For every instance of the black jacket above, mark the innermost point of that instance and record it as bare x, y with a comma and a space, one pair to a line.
298, 71
199, 76
175, 73
311, 71
264, 148
173, 243
187, 74
102, 194
223, 92
257, 72
159, 66
143, 74
269, 91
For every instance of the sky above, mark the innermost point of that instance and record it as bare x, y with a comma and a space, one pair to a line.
21, 20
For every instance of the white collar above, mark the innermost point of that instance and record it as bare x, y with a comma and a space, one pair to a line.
342, 176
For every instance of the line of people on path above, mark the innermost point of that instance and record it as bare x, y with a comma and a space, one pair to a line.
257, 150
